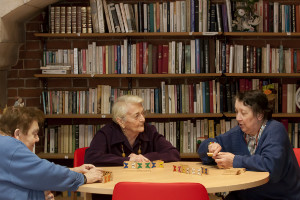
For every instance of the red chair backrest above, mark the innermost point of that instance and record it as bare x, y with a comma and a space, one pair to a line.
79, 157
159, 191
297, 154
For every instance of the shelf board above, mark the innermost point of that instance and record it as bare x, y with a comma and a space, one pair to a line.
71, 156
274, 75
114, 35
127, 75
164, 34
56, 155
275, 115
148, 116
260, 34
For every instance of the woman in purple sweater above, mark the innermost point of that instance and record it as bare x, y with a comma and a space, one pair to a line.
129, 138
258, 143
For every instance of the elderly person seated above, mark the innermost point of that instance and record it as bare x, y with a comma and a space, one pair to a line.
129, 138
23, 174
258, 143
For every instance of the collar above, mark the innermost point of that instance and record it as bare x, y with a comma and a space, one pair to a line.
119, 137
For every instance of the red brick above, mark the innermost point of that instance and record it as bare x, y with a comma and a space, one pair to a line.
13, 74
59, 44
33, 83
33, 45
32, 64
28, 73
35, 102
80, 83
19, 65
65, 83
11, 101
11, 83
29, 92
12, 93
31, 54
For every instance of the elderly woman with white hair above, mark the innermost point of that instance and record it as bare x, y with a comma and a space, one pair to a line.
129, 138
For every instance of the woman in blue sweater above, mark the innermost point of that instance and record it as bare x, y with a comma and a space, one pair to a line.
258, 143
23, 174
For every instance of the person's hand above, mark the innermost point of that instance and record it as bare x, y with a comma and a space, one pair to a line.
224, 159
83, 168
93, 175
138, 158
214, 148
48, 195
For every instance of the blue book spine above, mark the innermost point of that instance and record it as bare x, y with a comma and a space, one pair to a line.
192, 15
119, 59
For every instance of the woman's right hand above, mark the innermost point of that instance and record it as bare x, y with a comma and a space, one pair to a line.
93, 175
138, 158
214, 148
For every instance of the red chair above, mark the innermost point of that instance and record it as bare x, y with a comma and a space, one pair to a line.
159, 191
79, 157
297, 154
78, 161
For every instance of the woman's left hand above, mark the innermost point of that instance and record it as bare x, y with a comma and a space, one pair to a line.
224, 159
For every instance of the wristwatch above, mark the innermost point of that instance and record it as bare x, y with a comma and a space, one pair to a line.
84, 182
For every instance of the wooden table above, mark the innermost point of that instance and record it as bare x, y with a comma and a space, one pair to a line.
215, 182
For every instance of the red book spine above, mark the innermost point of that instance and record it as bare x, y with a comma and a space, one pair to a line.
159, 62
165, 59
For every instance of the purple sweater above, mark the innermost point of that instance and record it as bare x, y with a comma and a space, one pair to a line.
274, 154
106, 146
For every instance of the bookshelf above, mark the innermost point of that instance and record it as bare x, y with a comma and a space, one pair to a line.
142, 80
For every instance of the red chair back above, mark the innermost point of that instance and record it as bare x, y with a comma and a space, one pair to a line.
79, 157
297, 154
159, 191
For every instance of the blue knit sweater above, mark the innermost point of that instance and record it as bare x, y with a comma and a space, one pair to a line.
274, 154
25, 176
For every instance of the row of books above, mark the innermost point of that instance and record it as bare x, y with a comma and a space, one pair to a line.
68, 138
70, 19
250, 59
184, 135
194, 56
170, 16
137, 58
293, 131
203, 97
281, 18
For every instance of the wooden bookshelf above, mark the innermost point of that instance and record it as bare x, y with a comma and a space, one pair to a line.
274, 115
148, 116
127, 35
209, 75
71, 156
56, 155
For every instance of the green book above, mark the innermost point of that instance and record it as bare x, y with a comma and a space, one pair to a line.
187, 59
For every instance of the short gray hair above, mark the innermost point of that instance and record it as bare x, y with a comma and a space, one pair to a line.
120, 107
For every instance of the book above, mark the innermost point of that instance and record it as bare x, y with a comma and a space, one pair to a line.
55, 71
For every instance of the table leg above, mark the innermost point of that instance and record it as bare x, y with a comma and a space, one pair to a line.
87, 196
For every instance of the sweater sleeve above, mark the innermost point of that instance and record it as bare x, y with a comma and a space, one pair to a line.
270, 155
28, 170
